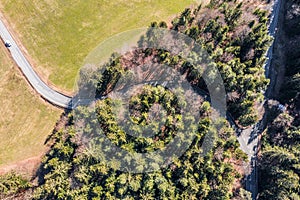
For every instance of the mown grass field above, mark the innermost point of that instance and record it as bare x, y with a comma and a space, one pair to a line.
25, 120
59, 34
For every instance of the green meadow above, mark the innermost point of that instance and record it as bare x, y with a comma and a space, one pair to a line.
59, 34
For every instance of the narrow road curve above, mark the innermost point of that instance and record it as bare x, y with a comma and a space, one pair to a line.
42, 88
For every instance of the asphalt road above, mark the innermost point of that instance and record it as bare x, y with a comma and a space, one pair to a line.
43, 89
248, 139
272, 31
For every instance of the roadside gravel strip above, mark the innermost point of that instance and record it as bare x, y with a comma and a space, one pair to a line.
44, 90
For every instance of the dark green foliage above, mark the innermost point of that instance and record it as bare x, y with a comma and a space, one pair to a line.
12, 183
238, 50
291, 88
279, 163
77, 169
139, 108
232, 15
112, 73
85, 176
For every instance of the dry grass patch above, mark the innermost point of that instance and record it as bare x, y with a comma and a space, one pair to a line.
25, 120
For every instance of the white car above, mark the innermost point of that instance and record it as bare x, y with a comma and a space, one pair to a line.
7, 43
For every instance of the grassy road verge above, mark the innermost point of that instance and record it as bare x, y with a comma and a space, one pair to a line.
25, 120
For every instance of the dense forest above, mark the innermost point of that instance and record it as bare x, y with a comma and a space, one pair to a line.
279, 161
235, 36
291, 87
